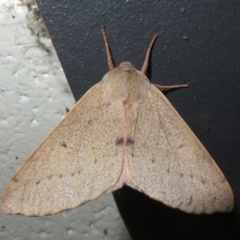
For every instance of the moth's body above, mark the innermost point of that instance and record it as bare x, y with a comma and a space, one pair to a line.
122, 131
126, 87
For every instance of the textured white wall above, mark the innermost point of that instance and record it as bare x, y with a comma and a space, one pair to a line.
34, 95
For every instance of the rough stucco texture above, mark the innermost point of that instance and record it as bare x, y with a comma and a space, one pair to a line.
34, 95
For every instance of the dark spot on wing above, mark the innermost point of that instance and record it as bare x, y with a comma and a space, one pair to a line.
180, 204
223, 180
132, 154
153, 161
37, 182
168, 170
3, 227
129, 141
125, 102
105, 232
164, 193
67, 110
17, 158
190, 201
191, 176
15, 179
64, 144
119, 141
107, 104
60, 175
182, 175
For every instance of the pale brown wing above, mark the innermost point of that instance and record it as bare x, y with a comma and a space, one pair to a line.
76, 163
168, 163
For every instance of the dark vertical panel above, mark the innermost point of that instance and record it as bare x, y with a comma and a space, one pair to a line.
198, 44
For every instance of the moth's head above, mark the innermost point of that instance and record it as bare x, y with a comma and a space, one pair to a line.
126, 74
126, 66
127, 69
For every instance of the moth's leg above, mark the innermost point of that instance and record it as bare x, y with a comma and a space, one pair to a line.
165, 88
109, 55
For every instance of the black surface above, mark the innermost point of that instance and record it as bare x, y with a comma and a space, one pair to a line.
199, 43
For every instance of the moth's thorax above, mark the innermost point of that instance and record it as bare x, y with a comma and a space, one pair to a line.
125, 83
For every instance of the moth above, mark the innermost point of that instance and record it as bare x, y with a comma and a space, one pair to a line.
122, 131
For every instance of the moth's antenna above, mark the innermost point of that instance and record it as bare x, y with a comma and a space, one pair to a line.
145, 64
109, 56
